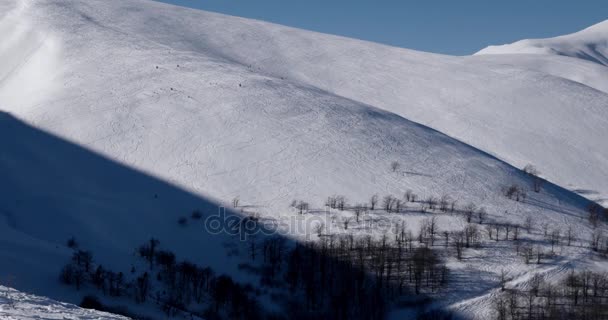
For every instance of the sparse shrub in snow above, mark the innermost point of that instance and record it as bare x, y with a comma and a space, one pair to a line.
395, 166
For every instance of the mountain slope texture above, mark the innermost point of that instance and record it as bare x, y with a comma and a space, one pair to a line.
117, 117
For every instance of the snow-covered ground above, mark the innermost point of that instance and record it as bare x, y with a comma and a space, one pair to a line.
588, 44
120, 116
15, 305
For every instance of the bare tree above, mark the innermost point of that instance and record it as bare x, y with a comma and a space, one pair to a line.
596, 239
359, 209
503, 279
431, 225
469, 209
471, 234
346, 222
569, 235
528, 224
444, 203
302, 207
373, 201
500, 308
458, 240
594, 214
490, 231
341, 202
555, 237
481, 214
408, 195
431, 202
533, 173
235, 202
388, 202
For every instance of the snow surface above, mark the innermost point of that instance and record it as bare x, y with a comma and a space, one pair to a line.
15, 305
118, 117
589, 44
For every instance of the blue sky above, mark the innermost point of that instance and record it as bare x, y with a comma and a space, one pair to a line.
450, 26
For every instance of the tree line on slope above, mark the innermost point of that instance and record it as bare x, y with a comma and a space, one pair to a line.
332, 278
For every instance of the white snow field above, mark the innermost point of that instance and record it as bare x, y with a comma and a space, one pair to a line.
117, 117
589, 44
15, 305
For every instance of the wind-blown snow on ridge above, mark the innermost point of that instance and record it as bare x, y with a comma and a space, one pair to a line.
589, 44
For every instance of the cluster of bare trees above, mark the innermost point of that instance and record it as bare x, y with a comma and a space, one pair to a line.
176, 286
537, 182
581, 295
596, 212
515, 192
336, 202
343, 277
301, 206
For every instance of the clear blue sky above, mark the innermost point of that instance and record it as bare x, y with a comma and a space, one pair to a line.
450, 26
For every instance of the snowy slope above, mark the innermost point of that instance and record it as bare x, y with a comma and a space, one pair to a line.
538, 115
588, 44
118, 117
15, 305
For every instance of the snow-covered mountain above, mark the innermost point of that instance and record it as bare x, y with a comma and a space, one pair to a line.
589, 44
121, 116
15, 305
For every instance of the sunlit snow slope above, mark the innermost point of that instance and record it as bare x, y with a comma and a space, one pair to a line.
119, 116
589, 44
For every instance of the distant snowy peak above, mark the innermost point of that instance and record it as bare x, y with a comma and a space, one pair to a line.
589, 44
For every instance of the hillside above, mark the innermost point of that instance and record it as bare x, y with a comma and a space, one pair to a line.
15, 305
118, 118
588, 44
